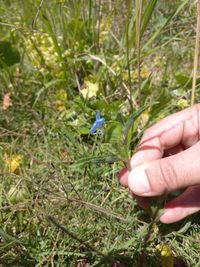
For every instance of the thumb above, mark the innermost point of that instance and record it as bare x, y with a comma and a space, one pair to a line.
167, 174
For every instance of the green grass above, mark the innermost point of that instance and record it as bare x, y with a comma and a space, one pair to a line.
56, 49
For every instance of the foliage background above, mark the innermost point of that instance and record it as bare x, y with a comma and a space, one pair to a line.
62, 61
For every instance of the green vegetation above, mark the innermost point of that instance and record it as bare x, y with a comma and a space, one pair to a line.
61, 62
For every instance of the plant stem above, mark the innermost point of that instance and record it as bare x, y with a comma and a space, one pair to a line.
127, 56
90, 13
156, 211
138, 38
196, 54
37, 14
98, 26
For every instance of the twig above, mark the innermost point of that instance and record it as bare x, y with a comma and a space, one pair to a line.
196, 54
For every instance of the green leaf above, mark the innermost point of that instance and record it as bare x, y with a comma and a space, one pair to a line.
114, 132
130, 122
95, 160
8, 238
185, 80
184, 229
8, 54
57, 48
146, 16
164, 23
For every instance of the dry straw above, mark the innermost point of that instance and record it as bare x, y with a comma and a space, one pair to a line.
196, 54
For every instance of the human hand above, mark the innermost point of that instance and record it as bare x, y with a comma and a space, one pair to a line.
167, 159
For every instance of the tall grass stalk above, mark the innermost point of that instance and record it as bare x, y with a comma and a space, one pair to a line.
138, 8
63, 23
89, 13
196, 54
127, 54
98, 6
53, 35
37, 14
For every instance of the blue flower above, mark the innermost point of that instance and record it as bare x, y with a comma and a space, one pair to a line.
97, 124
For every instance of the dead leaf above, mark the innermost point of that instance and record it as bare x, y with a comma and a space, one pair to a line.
90, 89
13, 162
7, 102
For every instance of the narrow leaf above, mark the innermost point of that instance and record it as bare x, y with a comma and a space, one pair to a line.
130, 122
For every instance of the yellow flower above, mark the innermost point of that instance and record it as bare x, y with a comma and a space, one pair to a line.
13, 162
167, 259
60, 105
183, 103
90, 89
145, 71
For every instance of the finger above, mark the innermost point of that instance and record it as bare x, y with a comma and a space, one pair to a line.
167, 174
123, 177
142, 201
124, 173
180, 128
174, 150
182, 206
165, 138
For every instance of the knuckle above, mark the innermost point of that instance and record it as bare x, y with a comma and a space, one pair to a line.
197, 106
169, 177
147, 133
198, 121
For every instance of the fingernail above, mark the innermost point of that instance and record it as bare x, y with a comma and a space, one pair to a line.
137, 159
138, 182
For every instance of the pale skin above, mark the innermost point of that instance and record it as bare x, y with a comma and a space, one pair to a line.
167, 159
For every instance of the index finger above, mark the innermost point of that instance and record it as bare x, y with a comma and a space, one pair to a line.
181, 128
